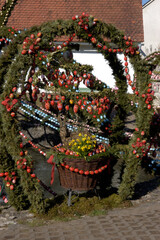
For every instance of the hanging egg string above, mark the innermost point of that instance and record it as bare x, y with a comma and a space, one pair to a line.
22, 164
155, 77
10, 179
33, 107
83, 22
63, 164
141, 146
32, 144
128, 77
152, 56
148, 96
30, 105
6, 40
25, 103
30, 45
153, 146
37, 118
3, 41
70, 127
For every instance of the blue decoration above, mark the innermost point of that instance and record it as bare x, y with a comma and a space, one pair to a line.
48, 118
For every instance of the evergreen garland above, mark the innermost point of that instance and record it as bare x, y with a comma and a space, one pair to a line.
143, 120
12, 63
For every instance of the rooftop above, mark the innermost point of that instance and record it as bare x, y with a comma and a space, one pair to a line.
2, 2
125, 15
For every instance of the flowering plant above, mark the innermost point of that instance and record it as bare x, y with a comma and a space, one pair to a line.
83, 145
80, 146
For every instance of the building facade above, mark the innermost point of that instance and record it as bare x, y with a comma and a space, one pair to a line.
151, 24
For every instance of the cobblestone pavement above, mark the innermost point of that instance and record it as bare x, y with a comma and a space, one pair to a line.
139, 222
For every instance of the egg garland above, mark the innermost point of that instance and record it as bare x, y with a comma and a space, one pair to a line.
21, 164
10, 101
10, 179
28, 167
71, 123
10, 34
83, 22
125, 47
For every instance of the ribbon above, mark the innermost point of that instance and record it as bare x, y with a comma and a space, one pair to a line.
50, 160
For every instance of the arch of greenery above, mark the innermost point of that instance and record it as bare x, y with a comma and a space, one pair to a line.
14, 66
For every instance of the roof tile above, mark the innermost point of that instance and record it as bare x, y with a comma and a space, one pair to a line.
2, 2
125, 15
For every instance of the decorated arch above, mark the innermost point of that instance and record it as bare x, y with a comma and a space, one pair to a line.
31, 62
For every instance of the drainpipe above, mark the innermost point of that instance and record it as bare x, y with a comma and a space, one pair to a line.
140, 50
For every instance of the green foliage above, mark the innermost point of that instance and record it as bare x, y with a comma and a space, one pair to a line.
83, 206
143, 119
59, 157
13, 69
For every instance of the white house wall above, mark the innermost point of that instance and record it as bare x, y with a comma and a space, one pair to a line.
102, 70
101, 67
151, 23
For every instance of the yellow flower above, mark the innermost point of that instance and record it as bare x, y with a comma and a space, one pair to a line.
79, 147
75, 144
83, 139
93, 136
85, 135
80, 135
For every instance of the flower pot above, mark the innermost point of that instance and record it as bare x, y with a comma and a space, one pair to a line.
76, 181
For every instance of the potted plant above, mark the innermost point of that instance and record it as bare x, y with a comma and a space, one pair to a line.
81, 162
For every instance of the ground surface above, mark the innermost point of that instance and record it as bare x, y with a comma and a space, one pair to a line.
139, 222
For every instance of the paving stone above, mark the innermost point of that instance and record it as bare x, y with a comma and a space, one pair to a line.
145, 237
97, 234
55, 238
69, 238
140, 222
115, 238
84, 237
23, 235
40, 238
130, 238
8, 237
156, 237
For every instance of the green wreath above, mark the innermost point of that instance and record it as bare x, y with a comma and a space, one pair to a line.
14, 66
